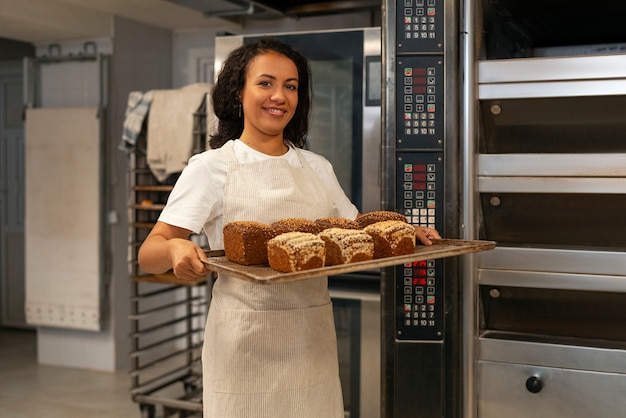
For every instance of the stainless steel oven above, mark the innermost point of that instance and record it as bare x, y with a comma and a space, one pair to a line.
551, 189
518, 109
356, 304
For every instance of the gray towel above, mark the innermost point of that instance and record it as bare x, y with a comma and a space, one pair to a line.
170, 138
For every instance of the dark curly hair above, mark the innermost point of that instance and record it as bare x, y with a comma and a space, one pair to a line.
230, 83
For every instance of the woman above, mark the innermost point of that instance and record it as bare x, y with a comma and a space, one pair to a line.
269, 351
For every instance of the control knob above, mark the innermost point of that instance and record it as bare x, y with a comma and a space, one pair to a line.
534, 384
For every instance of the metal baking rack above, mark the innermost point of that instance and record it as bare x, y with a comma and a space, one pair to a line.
167, 314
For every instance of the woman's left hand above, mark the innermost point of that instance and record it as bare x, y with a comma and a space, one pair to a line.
425, 235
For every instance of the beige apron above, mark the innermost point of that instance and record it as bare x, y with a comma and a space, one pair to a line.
270, 351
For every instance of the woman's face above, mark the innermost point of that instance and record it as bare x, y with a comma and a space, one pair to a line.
269, 96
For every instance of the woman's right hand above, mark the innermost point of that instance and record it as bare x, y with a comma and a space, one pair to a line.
167, 247
187, 259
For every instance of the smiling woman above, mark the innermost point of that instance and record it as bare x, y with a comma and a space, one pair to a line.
269, 350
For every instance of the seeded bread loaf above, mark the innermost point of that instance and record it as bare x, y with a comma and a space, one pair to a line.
344, 223
296, 225
369, 218
245, 242
296, 251
347, 245
392, 238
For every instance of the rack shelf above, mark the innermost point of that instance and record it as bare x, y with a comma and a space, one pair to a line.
167, 313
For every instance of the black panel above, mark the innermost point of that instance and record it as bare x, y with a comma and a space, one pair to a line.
514, 28
560, 315
419, 102
419, 26
320, 7
419, 380
582, 125
563, 219
420, 285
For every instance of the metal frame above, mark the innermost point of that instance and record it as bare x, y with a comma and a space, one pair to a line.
452, 372
167, 315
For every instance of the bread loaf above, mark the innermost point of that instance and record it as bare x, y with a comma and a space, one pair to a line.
369, 218
245, 242
392, 238
347, 245
344, 223
296, 225
295, 251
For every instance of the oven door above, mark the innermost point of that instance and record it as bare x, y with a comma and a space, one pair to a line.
356, 304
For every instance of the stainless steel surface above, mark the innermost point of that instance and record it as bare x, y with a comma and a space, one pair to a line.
555, 260
552, 77
355, 294
555, 185
359, 328
556, 165
595, 67
388, 161
567, 393
372, 142
550, 173
553, 355
544, 280
468, 230
552, 89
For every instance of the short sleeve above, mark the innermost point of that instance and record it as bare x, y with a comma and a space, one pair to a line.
196, 198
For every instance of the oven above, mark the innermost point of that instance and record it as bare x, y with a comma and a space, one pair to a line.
551, 187
513, 113
356, 306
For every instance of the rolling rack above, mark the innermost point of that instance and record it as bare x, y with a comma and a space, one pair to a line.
167, 314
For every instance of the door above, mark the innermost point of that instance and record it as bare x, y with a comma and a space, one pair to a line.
11, 197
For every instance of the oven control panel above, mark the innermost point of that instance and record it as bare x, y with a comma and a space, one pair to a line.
420, 308
420, 102
419, 285
419, 25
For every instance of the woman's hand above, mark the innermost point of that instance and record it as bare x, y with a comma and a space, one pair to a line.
167, 247
187, 259
425, 235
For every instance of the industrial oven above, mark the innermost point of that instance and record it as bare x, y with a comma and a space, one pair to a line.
504, 120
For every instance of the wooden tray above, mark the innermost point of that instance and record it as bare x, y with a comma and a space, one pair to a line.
264, 274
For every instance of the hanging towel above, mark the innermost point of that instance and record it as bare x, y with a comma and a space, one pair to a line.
136, 111
170, 137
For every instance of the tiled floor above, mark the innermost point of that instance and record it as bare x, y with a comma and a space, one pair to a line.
29, 390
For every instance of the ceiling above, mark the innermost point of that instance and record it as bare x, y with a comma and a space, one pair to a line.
43, 21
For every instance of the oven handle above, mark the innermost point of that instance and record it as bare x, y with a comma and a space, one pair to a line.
555, 260
554, 165
546, 280
352, 294
555, 185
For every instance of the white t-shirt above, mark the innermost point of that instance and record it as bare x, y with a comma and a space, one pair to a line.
196, 202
